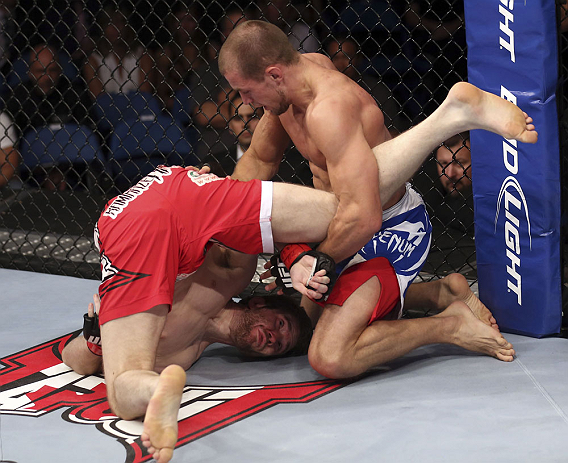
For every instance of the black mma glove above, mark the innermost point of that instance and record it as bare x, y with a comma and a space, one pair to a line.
92, 333
291, 254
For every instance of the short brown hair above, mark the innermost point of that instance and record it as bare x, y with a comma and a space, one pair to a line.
253, 46
462, 138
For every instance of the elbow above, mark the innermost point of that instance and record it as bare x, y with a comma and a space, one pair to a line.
78, 366
330, 359
368, 226
330, 365
69, 361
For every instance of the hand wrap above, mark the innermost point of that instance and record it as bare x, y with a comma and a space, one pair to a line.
291, 254
92, 333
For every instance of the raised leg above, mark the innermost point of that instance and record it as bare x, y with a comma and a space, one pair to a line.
160, 423
301, 214
465, 108
134, 389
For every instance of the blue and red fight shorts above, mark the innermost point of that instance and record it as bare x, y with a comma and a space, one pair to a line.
162, 227
395, 254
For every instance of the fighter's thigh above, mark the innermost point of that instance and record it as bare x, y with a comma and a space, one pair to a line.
301, 214
339, 327
130, 343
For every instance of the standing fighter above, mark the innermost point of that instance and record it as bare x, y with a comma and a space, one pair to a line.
339, 129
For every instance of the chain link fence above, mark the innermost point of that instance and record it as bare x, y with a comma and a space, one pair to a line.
95, 95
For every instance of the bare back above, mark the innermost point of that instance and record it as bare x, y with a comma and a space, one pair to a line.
328, 83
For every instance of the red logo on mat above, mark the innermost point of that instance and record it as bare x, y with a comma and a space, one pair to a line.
35, 382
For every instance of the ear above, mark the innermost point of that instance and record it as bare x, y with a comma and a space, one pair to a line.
274, 73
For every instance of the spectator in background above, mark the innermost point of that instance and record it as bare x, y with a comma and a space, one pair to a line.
445, 184
454, 165
210, 90
9, 156
287, 17
47, 97
118, 64
187, 51
243, 119
344, 54
437, 30
450, 200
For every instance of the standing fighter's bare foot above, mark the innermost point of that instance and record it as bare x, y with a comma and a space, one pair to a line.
472, 334
478, 109
454, 287
160, 423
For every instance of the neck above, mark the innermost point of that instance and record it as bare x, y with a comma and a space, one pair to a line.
219, 328
299, 87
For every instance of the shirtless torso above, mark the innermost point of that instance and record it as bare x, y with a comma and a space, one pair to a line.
330, 85
334, 124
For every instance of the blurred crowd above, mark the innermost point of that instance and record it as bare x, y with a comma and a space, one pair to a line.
138, 83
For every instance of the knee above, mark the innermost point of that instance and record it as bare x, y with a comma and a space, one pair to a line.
115, 407
329, 362
119, 410
119, 407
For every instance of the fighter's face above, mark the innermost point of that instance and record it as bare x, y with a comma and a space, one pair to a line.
264, 93
454, 167
265, 332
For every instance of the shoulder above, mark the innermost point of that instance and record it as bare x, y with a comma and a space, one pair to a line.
319, 59
331, 104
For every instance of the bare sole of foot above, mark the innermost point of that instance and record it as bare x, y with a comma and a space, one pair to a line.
160, 423
490, 112
456, 288
474, 335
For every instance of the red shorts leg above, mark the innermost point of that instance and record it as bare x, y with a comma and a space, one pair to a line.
352, 278
139, 261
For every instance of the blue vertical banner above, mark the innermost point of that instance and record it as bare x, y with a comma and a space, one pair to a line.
512, 52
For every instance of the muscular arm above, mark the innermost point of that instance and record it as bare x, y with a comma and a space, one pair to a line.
353, 174
263, 157
224, 273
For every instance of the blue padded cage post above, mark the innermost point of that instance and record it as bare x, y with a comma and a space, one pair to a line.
512, 52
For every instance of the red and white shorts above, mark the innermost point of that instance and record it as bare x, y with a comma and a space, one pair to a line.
163, 226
